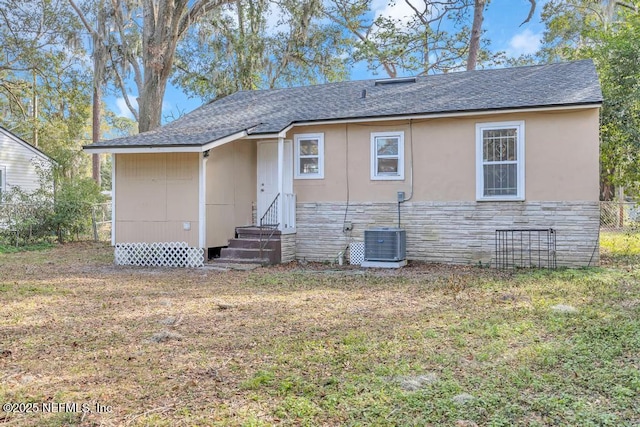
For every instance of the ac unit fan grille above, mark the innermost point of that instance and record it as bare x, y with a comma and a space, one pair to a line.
385, 244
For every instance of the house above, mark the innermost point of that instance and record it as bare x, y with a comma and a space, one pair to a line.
20, 163
473, 152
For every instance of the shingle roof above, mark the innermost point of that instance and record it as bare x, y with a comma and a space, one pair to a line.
271, 111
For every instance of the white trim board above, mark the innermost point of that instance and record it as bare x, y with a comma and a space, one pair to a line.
113, 199
202, 207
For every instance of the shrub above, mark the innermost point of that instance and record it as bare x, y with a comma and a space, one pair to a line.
40, 216
25, 218
72, 207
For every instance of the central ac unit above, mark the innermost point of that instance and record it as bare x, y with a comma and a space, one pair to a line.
385, 244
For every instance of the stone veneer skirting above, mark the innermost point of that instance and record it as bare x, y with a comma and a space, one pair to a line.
288, 247
449, 232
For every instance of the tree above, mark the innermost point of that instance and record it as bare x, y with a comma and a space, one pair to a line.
432, 38
476, 33
618, 62
237, 50
142, 46
476, 30
609, 33
43, 86
37, 42
99, 37
437, 36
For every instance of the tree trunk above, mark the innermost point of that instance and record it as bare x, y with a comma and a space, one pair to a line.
99, 64
95, 134
476, 33
150, 103
163, 23
159, 40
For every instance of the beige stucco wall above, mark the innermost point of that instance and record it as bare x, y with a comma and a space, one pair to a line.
230, 190
156, 194
561, 155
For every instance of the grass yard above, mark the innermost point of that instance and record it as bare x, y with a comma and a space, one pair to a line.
313, 346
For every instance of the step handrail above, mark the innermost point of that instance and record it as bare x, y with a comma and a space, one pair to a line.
269, 221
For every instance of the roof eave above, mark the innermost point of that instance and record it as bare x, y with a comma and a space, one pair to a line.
164, 148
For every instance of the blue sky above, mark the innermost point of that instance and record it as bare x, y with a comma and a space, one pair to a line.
501, 24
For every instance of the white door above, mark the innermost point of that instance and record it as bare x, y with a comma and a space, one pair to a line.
267, 175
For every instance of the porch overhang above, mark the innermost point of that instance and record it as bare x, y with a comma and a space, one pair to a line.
170, 148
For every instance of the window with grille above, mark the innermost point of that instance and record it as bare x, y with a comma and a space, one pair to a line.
500, 161
387, 156
309, 154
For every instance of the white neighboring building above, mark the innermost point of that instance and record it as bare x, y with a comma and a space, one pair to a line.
18, 163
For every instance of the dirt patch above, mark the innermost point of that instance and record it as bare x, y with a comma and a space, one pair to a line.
164, 336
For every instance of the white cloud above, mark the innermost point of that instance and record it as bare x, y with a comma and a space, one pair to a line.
524, 43
121, 106
398, 10
274, 15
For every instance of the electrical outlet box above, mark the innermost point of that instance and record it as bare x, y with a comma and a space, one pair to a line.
347, 226
400, 196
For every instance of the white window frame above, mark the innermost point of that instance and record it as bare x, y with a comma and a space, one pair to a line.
520, 161
374, 157
297, 156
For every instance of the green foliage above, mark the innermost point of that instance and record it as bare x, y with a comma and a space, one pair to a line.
37, 217
6, 249
39, 46
105, 173
433, 38
72, 207
25, 218
235, 50
618, 59
609, 33
622, 248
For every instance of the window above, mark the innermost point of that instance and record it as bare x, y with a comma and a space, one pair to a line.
387, 155
500, 161
309, 156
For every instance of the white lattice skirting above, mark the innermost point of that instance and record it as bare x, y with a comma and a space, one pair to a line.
356, 253
169, 254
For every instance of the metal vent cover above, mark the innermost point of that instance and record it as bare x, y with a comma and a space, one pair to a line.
385, 244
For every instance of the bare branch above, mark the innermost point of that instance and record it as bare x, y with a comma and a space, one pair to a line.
531, 12
15, 98
199, 8
123, 90
83, 18
127, 53
627, 5
419, 14
364, 38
